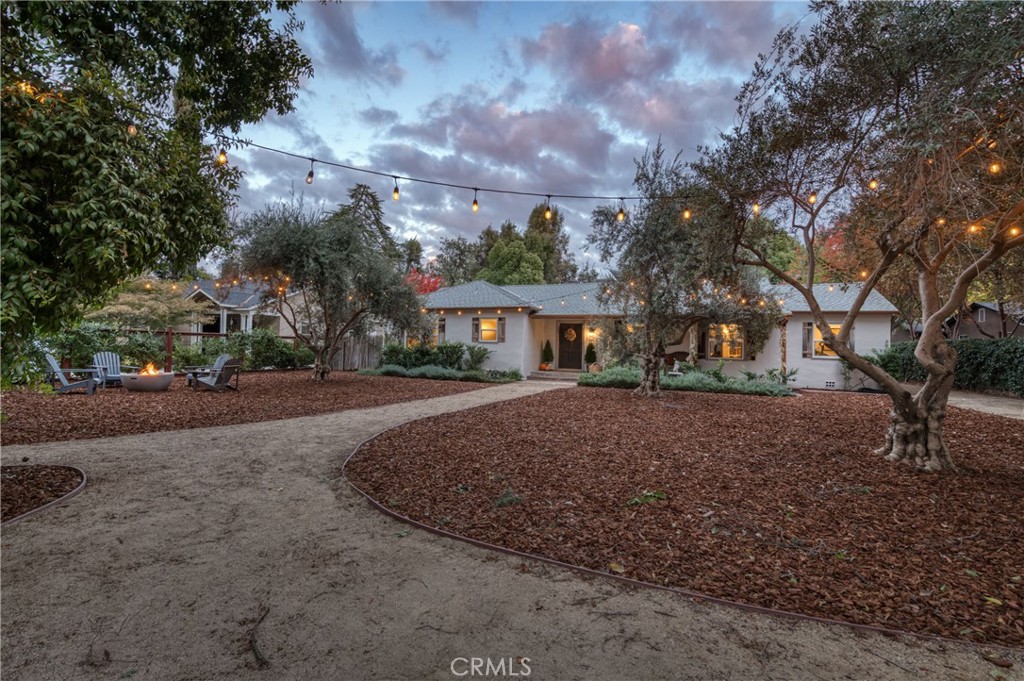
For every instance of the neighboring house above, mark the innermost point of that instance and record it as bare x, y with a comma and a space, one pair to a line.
983, 320
516, 321
237, 307
797, 343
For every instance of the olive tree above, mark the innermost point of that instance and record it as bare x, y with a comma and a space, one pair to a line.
328, 274
905, 122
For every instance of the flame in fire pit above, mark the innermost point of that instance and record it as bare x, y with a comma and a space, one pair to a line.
150, 370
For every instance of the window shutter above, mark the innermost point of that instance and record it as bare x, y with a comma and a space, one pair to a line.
501, 329
702, 345
476, 329
808, 341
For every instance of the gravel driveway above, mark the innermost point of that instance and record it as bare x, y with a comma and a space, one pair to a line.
237, 552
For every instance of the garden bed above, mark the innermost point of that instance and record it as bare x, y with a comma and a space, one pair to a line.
36, 417
774, 502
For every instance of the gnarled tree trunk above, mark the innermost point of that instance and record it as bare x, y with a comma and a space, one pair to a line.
915, 433
650, 378
322, 365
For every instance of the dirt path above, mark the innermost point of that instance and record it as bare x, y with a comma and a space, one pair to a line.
196, 554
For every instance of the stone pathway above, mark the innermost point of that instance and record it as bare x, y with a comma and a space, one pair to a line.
238, 552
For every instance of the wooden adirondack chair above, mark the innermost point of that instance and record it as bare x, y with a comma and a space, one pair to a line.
221, 378
110, 365
69, 382
192, 373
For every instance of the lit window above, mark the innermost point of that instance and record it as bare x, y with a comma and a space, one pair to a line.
725, 341
488, 329
820, 349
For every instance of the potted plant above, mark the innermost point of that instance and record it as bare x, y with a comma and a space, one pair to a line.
547, 356
590, 356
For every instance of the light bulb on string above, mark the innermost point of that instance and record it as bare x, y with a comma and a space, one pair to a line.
309, 177
995, 168
395, 194
757, 209
873, 185
222, 157
812, 199
622, 210
1014, 231
476, 204
687, 214
547, 209
132, 130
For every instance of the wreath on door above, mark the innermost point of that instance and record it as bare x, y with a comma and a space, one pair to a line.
570, 334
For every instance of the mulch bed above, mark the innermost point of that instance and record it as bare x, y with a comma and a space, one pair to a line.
774, 502
263, 396
25, 488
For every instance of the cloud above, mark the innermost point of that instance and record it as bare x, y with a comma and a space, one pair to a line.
468, 12
378, 116
435, 54
336, 47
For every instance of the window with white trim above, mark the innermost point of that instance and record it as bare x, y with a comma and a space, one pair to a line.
979, 315
439, 331
488, 329
814, 344
725, 341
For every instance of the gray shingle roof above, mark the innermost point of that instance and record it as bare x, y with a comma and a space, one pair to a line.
244, 295
545, 300
839, 299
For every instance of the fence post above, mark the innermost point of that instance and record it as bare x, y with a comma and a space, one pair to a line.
169, 349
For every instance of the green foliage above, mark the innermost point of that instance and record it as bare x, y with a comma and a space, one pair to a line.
982, 363
476, 355
590, 356
507, 498
84, 205
445, 374
547, 239
448, 355
771, 375
387, 370
435, 372
458, 261
149, 303
695, 381
344, 265
547, 355
647, 497
511, 263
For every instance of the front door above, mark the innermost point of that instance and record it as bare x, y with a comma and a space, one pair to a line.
570, 346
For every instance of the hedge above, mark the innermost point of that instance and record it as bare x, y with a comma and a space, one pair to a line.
982, 363
446, 355
439, 373
696, 381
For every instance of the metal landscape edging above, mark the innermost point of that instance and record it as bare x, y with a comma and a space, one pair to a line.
636, 583
49, 504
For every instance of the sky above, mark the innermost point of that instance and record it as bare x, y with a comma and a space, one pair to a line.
545, 97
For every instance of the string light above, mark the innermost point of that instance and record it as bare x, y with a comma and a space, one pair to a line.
1014, 231
995, 168
831, 288
222, 157
309, 177
132, 130
863, 274
974, 229
812, 199
476, 204
547, 209
687, 214
622, 210
940, 221
395, 194
757, 209
873, 185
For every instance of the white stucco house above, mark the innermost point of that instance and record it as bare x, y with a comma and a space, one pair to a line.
516, 321
236, 307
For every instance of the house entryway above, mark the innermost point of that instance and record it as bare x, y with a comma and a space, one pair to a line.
570, 346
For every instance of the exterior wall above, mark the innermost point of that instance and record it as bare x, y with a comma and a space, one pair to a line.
458, 328
546, 329
871, 332
970, 328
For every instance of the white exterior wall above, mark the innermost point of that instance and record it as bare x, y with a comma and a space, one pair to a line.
871, 332
546, 329
458, 328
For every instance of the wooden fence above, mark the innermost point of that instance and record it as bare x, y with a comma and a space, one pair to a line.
358, 353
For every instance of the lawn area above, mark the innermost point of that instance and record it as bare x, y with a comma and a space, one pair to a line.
774, 502
263, 396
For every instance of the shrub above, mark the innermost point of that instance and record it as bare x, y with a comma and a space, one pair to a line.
982, 364
304, 357
590, 356
435, 372
393, 354
547, 355
476, 355
505, 376
390, 370
449, 355
696, 381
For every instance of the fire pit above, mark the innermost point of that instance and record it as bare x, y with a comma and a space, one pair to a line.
149, 380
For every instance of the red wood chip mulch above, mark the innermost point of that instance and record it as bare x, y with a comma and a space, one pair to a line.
263, 396
774, 502
25, 488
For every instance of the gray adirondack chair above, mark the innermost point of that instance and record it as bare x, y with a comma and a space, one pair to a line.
193, 373
221, 378
68, 382
110, 365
